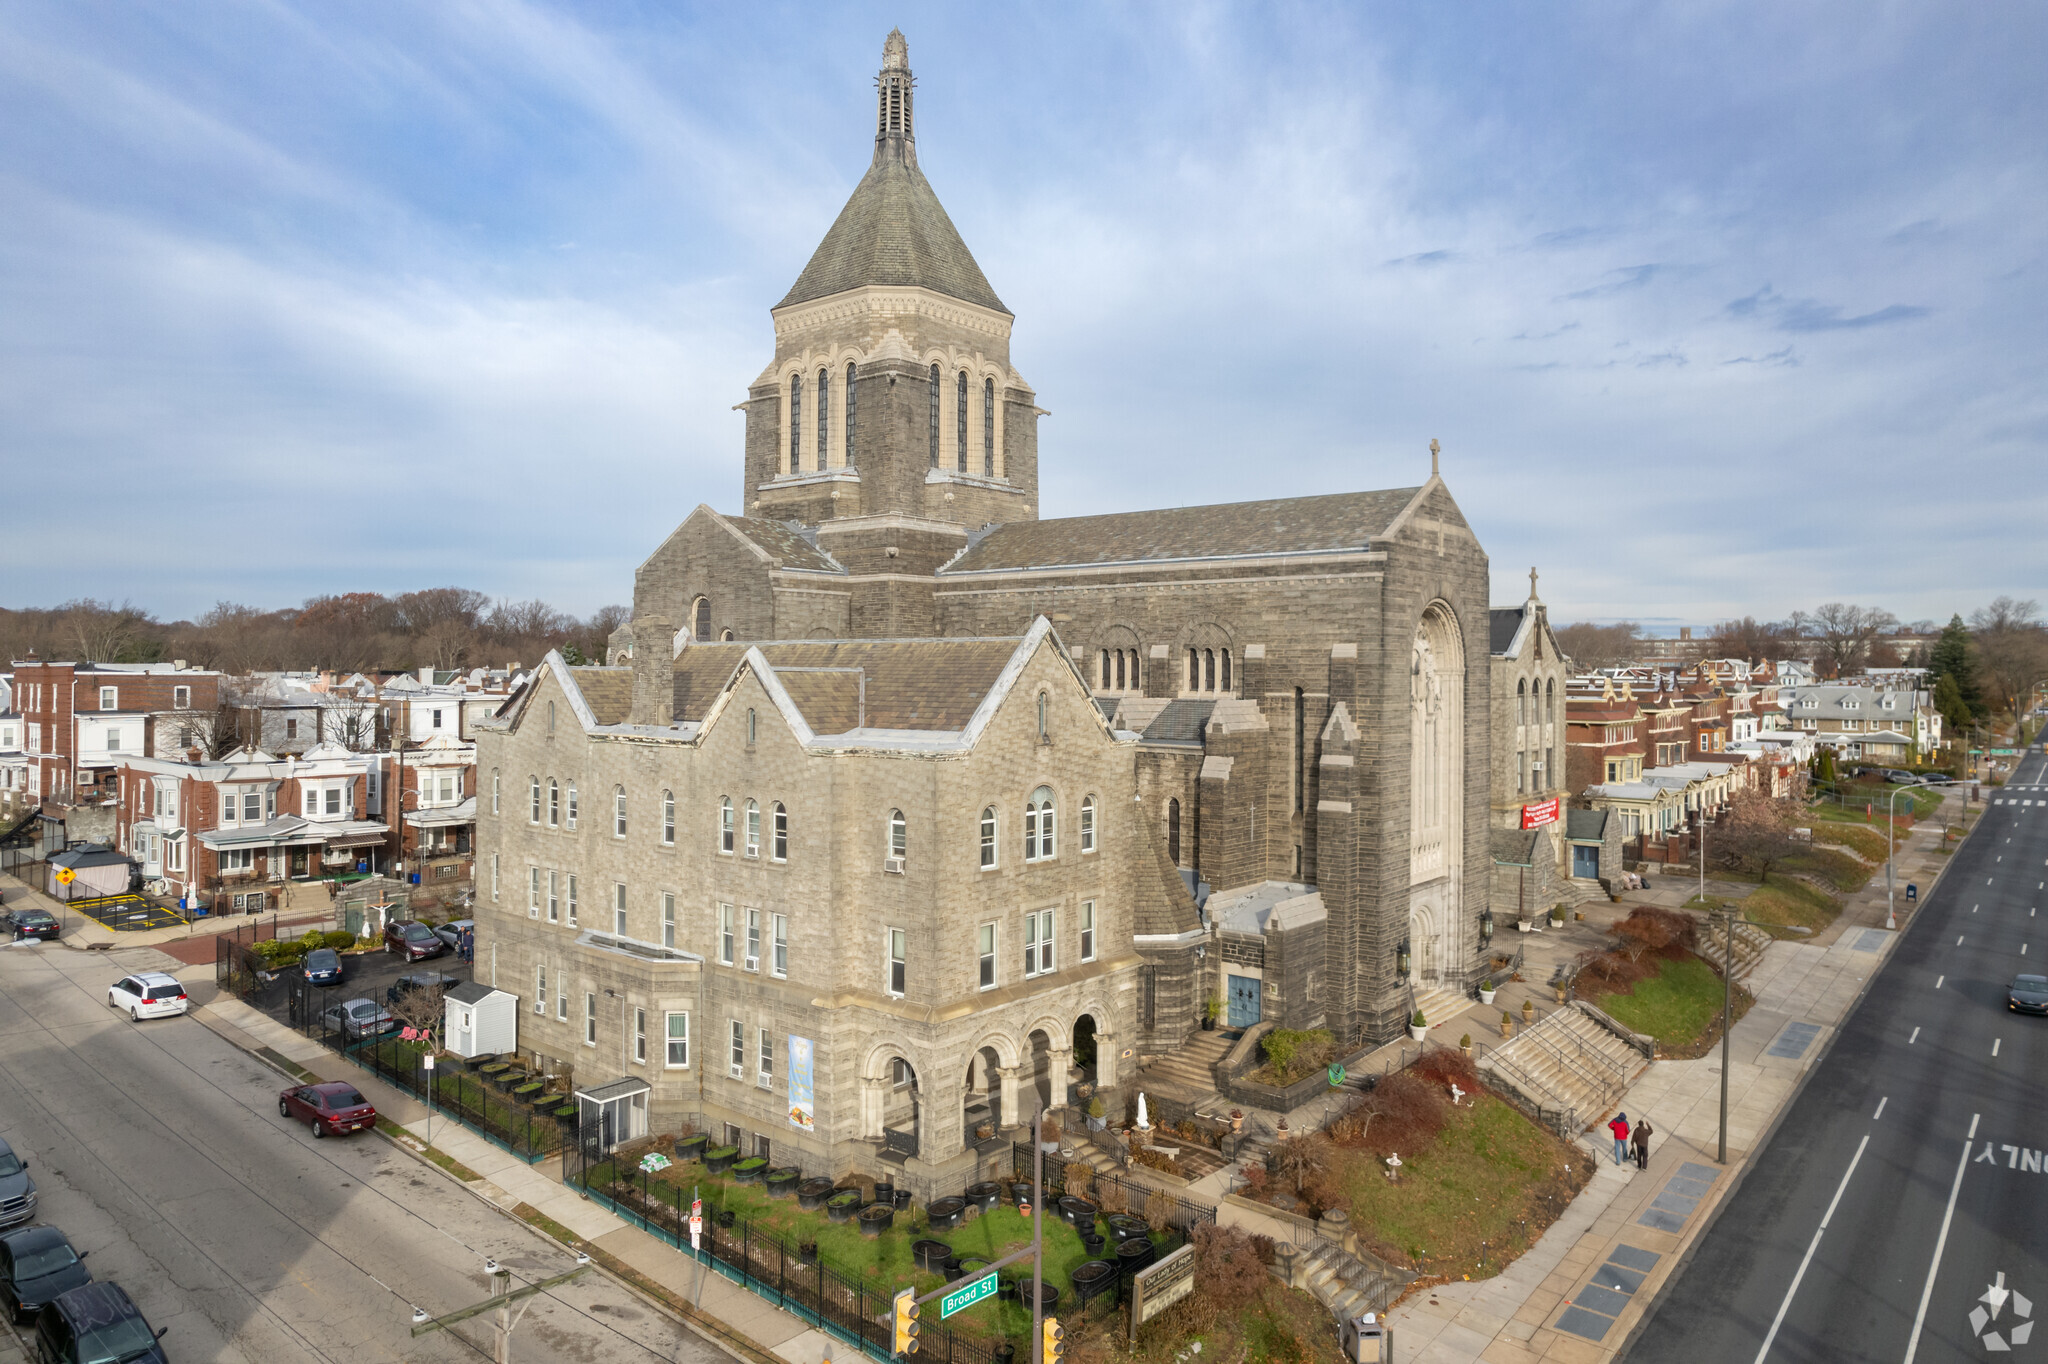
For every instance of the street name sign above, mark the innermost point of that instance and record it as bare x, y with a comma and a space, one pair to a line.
983, 1287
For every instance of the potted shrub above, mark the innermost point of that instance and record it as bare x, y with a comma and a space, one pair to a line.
1507, 1024
719, 1159
1096, 1121
1486, 991
750, 1170
1418, 1026
1212, 1009
1465, 1045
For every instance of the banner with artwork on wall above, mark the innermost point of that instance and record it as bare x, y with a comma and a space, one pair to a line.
801, 1110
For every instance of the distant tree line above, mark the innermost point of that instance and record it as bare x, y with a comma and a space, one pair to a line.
445, 627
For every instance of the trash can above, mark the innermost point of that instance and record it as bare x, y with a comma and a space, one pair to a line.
1367, 1340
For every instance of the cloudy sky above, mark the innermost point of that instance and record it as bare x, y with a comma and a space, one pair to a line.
1715, 308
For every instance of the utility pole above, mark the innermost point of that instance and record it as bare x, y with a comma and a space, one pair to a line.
503, 1295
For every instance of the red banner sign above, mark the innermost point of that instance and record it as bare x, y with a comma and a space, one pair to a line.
1537, 815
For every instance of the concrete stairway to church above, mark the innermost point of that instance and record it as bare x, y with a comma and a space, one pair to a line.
1569, 1066
1188, 1072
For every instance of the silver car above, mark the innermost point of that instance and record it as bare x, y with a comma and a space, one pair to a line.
358, 1018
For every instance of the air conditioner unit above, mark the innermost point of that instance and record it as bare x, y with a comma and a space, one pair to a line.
893, 866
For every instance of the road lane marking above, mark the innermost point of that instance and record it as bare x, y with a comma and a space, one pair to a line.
1914, 1038
1940, 1242
1882, 1101
1812, 1246
1994, 1045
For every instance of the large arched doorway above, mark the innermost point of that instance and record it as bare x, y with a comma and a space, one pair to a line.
1436, 790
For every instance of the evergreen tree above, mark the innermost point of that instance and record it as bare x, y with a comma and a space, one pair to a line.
1952, 658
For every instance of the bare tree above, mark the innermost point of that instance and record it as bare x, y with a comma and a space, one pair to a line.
1843, 632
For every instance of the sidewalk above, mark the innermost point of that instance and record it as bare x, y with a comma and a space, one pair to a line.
511, 1185
1578, 1293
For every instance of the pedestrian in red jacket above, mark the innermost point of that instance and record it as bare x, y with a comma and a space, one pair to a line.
1619, 1127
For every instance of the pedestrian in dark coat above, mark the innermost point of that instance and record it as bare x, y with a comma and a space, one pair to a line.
1619, 1128
1641, 1138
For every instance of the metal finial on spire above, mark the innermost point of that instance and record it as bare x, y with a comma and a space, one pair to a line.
1434, 451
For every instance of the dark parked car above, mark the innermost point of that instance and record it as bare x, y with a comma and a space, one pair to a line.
96, 1323
336, 1106
323, 966
357, 1018
2027, 995
17, 1190
413, 941
424, 980
36, 1265
29, 923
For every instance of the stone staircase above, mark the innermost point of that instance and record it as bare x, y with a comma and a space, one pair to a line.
1188, 1072
1569, 1066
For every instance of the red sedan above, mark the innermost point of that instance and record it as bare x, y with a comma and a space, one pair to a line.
335, 1106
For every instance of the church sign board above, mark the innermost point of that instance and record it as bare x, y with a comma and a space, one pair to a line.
1541, 813
1160, 1286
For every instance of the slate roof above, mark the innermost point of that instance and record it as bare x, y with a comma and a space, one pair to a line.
1290, 525
609, 692
919, 684
785, 544
893, 231
1501, 623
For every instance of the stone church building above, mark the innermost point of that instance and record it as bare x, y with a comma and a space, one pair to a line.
961, 799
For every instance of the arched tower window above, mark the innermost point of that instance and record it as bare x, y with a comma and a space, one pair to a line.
850, 412
824, 418
700, 625
1173, 832
935, 416
988, 427
960, 422
796, 423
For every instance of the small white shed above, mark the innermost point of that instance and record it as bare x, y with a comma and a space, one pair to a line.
480, 1020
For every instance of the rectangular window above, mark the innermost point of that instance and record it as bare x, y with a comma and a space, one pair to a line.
898, 974
668, 919
1038, 943
736, 1063
540, 989
572, 899
678, 1041
764, 1076
110, 698
619, 909
753, 939
533, 892
589, 1019
725, 935
988, 955
779, 924
640, 1036
1087, 930
554, 897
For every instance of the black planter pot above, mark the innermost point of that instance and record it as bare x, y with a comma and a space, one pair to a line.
876, 1218
1092, 1280
812, 1193
782, 1183
843, 1206
692, 1147
945, 1213
985, 1195
931, 1256
719, 1159
749, 1171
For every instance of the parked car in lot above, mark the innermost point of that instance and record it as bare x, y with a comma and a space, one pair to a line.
413, 941
334, 1107
37, 1264
358, 1018
96, 1324
148, 994
2027, 995
17, 1190
424, 980
452, 931
322, 966
17, 924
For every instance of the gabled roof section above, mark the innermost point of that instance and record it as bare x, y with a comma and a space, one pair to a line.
1333, 523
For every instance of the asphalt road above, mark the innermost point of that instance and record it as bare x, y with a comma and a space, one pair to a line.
158, 1147
1906, 1187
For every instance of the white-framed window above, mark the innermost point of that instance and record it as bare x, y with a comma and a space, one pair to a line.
753, 939
570, 822
899, 836
986, 941
619, 908
988, 837
1038, 826
533, 793
540, 990
1038, 943
753, 828
495, 790
668, 818
1087, 824
725, 935
778, 943
640, 1036
725, 824
764, 1074
778, 832
899, 945
181, 698
494, 876
668, 919
1087, 930
677, 1031
533, 892
554, 897
572, 899
110, 698
589, 1019
618, 812
736, 1062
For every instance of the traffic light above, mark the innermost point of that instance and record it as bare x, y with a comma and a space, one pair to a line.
1055, 1340
906, 1322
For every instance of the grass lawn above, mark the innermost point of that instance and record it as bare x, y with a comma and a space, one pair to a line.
1674, 1006
1491, 1177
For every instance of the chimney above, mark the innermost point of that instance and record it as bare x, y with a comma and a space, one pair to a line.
654, 670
